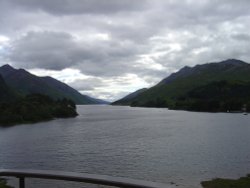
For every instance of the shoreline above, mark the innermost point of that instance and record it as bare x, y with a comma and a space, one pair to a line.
242, 182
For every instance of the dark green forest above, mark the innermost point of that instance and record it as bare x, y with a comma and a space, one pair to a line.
221, 96
34, 108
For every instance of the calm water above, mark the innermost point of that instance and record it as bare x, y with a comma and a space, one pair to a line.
151, 144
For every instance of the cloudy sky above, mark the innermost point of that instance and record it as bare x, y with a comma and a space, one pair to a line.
109, 48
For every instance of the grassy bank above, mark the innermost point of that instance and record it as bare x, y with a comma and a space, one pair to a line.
3, 183
243, 182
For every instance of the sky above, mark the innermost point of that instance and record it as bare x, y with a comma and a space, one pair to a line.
109, 48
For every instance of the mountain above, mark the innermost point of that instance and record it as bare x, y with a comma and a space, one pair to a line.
69, 92
126, 100
26, 83
175, 91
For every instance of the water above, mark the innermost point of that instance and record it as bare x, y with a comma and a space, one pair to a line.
143, 143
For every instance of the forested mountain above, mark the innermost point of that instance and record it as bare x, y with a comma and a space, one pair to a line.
193, 87
16, 108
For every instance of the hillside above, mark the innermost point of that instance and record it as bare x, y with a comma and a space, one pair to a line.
26, 83
174, 91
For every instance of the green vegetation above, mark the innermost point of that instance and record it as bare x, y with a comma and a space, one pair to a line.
221, 96
243, 182
3, 183
212, 87
35, 108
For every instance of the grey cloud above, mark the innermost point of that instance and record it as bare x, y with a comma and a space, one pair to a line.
196, 51
87, 84
62, 7
58, 50
192, 13
43, 50
241, 37
44, 35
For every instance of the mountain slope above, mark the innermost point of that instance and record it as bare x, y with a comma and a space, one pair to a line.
6, 94
176, 87
126, 100
26, 83
68, 92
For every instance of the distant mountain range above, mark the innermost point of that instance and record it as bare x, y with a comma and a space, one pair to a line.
220, 86
22, 83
